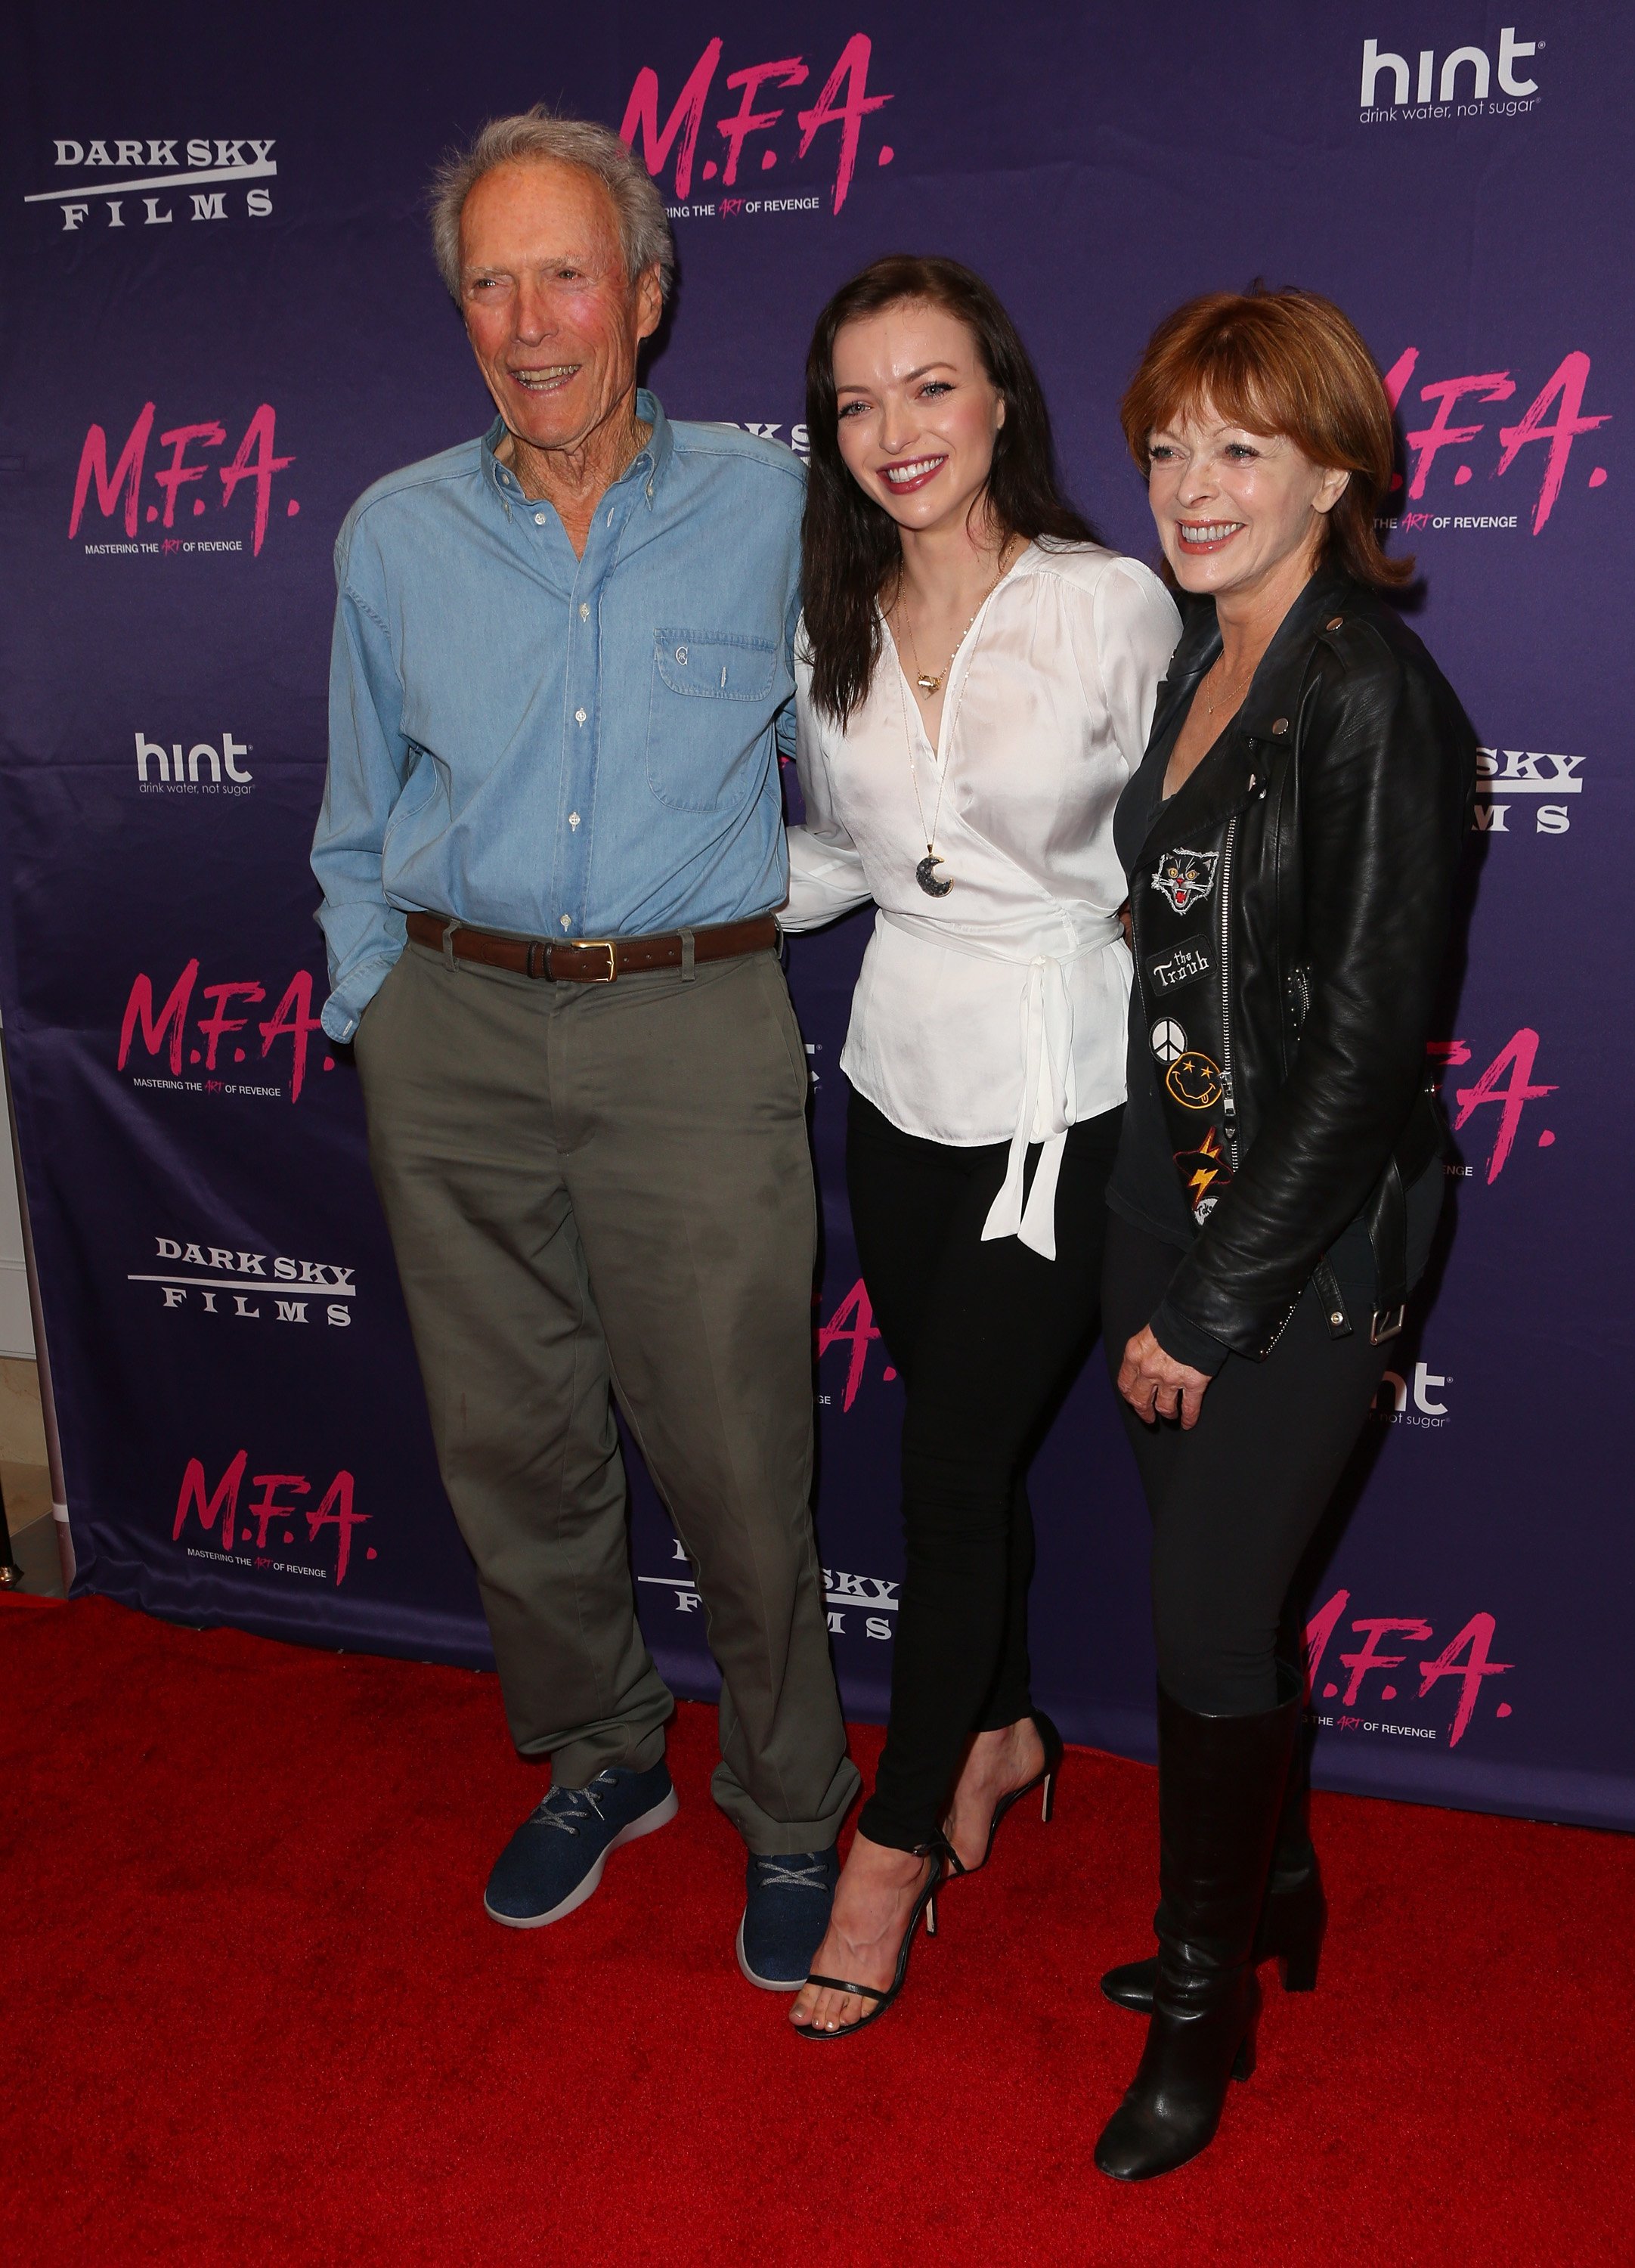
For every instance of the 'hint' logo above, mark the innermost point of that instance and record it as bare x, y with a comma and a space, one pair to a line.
1396, 1388
1431, 86
169, 766
147, 174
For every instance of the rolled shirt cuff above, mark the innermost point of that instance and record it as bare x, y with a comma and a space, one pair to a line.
1184, 1340
343, 1009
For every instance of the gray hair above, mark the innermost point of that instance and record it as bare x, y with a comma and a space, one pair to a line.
529, 135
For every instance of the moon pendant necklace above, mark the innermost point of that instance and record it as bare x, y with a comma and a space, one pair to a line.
935, 885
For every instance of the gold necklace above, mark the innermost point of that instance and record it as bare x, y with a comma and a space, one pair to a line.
1226, 686
933, 884
924, 682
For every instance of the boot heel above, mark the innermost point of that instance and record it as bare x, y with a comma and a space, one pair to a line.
1243, 2062
1049, 1804
931, 1917
1299, 1970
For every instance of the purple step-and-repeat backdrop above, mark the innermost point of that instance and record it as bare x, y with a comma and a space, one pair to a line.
224, 322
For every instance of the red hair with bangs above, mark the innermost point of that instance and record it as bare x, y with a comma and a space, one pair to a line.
1287, 363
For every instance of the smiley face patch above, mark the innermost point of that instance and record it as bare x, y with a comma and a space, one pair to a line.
1195, 1080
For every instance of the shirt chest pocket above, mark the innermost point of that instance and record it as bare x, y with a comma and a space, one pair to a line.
712, 703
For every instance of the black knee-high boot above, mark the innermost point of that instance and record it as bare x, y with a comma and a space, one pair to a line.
1292, 1916
1220, 1786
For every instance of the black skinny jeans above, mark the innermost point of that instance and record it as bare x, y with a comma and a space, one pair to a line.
984, 1336
1235, 1502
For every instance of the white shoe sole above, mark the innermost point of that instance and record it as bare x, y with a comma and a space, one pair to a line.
662, 1813
762, 1983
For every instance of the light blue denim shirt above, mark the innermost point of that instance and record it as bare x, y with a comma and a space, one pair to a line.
550, 745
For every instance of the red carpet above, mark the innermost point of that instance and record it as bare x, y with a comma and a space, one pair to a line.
252, 2013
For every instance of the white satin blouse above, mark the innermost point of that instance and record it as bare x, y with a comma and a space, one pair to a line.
996, 1013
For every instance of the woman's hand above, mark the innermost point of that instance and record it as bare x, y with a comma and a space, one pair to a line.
1155, 1384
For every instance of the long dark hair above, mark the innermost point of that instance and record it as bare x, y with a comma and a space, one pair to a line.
850, 550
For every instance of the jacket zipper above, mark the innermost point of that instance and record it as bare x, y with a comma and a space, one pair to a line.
1230, 1118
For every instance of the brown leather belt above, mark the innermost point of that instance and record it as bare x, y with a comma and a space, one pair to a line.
591, 961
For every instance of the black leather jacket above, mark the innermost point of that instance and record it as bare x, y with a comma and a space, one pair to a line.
1290, 909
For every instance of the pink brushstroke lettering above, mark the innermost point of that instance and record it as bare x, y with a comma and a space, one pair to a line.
853, 1321
336, 1511
641, 116
1375, 1627
127, 474
853, 68
224, 1500
1516, 1056
1567, 387
746, 120
1477, 1635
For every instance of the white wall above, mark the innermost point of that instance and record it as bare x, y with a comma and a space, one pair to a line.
16, 1333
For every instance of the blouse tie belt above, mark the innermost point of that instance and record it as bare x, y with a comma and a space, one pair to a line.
1049, 1089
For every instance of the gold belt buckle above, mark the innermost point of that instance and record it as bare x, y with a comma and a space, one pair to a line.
600, 945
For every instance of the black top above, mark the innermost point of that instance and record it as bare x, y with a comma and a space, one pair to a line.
1145, 1187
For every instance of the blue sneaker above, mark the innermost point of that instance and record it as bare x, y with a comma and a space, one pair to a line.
554, 1861
786, 1909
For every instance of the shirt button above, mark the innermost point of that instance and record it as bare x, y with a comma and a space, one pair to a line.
567, 921
578, 716
573, 819
610, 520
585, 612
539, 519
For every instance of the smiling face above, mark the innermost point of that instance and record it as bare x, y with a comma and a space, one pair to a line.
918, 414
551, 316
1237, 511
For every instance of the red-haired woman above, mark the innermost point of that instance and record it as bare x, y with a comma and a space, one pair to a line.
975, 692
1291, 842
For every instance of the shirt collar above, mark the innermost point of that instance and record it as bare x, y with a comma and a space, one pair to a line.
648, 466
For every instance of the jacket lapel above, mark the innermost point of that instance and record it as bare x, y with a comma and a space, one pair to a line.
1237, 766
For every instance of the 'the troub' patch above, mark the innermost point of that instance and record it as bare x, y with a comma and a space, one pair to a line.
1167, 972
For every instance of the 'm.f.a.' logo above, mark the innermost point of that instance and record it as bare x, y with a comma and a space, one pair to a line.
141, 184
260, 1534
740, 150
1458, 84
165, 769
138, 496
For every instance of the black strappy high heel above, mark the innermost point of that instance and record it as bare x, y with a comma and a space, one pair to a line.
939, 1851
1044, 1778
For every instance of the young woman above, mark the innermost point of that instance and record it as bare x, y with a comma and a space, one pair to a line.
1291, 842
975, 688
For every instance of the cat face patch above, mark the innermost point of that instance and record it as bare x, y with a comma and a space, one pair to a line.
1184, 879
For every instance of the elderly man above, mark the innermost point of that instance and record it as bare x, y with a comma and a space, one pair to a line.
551, 848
